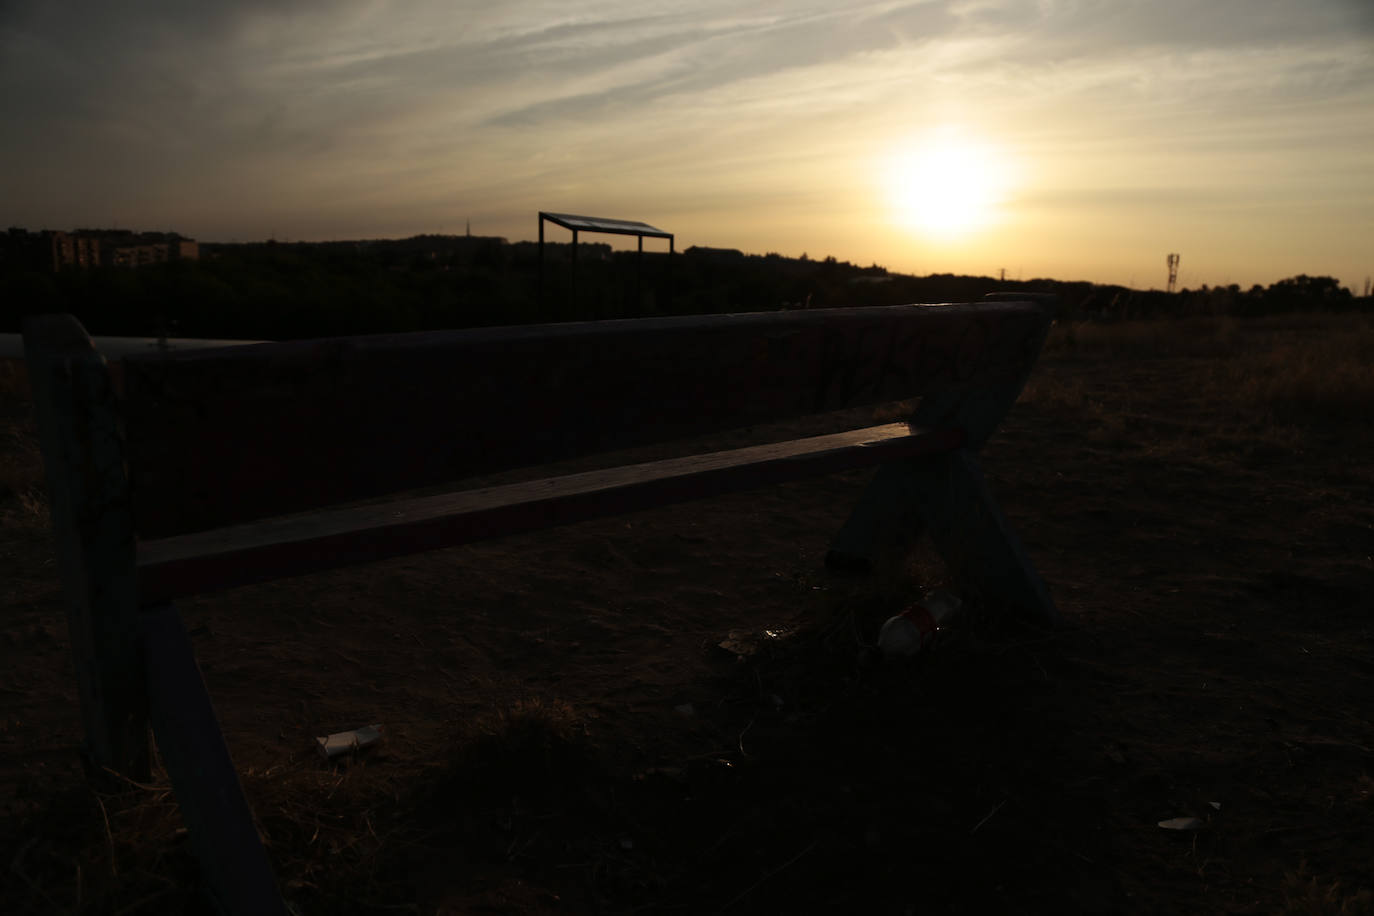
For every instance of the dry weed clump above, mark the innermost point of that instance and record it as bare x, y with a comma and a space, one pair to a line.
1061, 395
23, 499
14, 381
332, 829
84, 851
1304, 894
317, 816
536, 749
23, 508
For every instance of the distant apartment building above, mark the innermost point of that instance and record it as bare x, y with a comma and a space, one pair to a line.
69, 250
111, 248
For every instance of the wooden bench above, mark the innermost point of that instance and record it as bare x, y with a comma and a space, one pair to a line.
183, 472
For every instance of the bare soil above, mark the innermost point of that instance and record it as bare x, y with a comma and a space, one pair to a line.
564, 732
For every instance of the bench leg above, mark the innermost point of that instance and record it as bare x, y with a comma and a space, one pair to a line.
219, 823
885, 511
951, 497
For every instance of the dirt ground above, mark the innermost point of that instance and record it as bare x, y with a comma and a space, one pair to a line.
564, 732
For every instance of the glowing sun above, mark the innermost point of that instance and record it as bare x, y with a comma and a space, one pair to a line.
946, 186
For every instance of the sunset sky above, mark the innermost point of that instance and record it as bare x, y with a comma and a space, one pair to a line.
1076, 139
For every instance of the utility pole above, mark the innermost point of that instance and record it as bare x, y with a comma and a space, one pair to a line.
1172, 261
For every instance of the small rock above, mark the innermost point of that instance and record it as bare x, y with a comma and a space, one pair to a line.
1183, 823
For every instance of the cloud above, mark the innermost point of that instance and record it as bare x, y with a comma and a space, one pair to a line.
707, 57
365, 110
312, 76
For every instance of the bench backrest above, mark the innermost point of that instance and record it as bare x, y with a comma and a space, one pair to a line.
220, 436
223, 436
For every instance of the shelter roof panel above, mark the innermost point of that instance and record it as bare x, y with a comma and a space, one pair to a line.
601, 224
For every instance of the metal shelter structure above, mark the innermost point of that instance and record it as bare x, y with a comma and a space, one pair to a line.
579, 224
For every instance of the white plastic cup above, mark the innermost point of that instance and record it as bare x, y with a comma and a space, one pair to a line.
912, 630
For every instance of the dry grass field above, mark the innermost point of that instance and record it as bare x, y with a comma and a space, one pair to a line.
564, 732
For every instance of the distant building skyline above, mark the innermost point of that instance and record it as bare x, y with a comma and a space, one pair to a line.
85, 248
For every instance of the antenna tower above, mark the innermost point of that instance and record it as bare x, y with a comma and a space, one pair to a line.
1172, 261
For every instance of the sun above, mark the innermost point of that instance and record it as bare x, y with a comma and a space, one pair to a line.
946, 186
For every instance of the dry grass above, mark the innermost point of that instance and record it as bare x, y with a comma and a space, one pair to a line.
347, 834
1329, 376
1305, 894
519, 784
1202, 336
14, 381
1286, 369
128, 852
535, 748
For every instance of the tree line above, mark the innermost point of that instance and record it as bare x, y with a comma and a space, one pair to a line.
280, 291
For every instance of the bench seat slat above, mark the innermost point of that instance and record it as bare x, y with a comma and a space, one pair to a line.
290, 545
